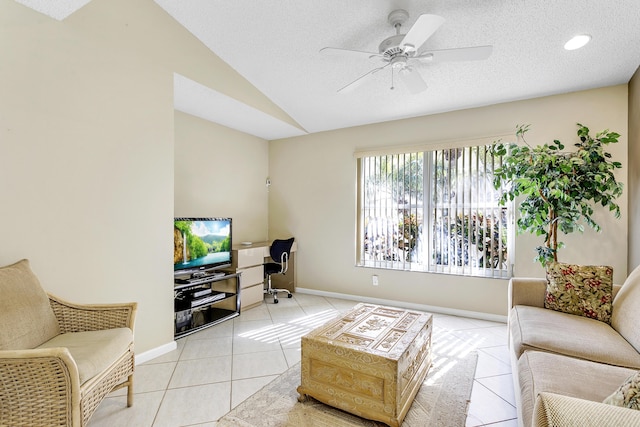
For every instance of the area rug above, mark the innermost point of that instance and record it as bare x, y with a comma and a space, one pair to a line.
441, 402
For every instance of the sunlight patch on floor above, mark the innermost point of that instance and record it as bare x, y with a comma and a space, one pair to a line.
447, 351
291, 331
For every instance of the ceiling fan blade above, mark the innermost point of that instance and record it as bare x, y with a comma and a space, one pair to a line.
357, 82
424, 28
349, 52
412, 80
476, 53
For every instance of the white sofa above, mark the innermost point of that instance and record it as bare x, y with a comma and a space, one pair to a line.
565, 365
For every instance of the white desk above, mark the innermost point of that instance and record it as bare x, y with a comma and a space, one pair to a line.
249, 260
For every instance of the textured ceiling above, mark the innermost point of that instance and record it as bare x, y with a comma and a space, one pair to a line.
275, 45
54, 8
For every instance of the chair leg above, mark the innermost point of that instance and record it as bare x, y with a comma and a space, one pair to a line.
274, 292
269, 291
130, 391
289, 295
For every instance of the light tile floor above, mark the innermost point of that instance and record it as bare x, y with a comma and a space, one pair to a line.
215, 369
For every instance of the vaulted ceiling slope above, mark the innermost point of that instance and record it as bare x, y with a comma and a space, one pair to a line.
276, 45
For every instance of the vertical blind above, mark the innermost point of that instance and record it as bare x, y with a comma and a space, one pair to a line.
433, 211
391, 208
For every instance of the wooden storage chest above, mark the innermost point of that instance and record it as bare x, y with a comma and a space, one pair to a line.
370, 362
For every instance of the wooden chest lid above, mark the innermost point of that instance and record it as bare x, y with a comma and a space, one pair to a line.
374, 329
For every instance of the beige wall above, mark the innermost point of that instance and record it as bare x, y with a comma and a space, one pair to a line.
633, 189
86, 168
221, 172
313, 197
87, 152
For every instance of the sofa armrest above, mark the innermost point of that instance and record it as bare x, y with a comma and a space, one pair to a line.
526, 291
92, 317
556, 410
39, 387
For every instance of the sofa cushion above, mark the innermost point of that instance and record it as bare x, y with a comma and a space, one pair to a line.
628, 394
583, 290
553, 373
25, 313
537, 328
93, 351
625, 317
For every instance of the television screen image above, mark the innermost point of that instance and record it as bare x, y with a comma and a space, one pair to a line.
201, 244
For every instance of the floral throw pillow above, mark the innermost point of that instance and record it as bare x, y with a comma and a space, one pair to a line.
628, 394
583, 290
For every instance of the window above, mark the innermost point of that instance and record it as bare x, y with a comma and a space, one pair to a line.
433, 211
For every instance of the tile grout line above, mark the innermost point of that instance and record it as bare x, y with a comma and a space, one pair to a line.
233, 335
166, 389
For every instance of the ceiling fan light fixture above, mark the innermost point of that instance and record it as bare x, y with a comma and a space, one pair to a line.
577, 41
399, 62
409, 48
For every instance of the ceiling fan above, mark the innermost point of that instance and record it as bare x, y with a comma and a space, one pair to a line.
401, 52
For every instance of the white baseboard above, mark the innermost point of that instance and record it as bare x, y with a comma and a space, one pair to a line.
156, 352
403, 304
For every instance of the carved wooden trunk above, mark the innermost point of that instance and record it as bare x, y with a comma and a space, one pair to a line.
370, 362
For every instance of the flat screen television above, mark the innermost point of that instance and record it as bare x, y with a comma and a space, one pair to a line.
201, 244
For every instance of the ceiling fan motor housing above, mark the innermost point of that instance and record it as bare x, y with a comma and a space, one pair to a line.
390, 46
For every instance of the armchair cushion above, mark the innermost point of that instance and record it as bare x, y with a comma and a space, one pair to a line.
26, 316
93, 351
558, 410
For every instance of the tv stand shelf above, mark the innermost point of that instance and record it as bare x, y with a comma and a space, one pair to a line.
204, 302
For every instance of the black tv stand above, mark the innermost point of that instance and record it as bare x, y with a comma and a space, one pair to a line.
205, 301
196, 279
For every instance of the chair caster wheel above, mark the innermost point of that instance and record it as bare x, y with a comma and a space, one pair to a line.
290, 296
275, 301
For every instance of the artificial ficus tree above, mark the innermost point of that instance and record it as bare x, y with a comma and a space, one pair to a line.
559, 189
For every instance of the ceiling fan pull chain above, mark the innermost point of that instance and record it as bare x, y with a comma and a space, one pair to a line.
392, 87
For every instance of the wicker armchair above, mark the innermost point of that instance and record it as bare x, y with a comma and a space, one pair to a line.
558, 410
59, 360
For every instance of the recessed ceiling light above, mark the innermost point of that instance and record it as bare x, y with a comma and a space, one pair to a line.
577, 42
